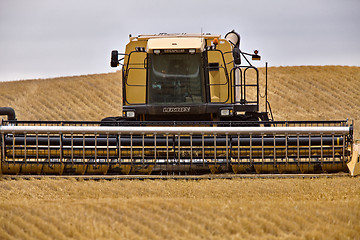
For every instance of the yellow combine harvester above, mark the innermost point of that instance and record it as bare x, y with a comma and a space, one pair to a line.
191, 105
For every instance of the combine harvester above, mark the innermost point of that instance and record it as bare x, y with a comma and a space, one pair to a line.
189, 107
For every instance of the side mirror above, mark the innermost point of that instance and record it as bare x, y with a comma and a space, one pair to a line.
236, 55
114, 58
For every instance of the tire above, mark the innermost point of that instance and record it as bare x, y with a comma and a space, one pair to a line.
112, 121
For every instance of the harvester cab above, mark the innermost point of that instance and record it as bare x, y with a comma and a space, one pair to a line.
194, 77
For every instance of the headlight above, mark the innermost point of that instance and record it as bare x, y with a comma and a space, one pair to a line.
225, 112
130, 114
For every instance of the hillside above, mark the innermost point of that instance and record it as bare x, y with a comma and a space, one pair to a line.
295, 93
315, 93
89, 97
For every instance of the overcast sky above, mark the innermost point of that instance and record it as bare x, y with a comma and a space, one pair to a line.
50, 38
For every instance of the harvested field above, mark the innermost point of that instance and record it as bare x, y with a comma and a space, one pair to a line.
205, 209
179, 209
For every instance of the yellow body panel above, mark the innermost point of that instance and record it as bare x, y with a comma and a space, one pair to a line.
135, 80
219, 91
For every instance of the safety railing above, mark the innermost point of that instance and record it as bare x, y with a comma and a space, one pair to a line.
241, 85
318, 123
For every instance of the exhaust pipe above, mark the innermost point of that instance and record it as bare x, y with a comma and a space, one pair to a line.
10, 112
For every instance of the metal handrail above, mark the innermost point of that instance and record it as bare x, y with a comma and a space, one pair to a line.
178, 123
172, 130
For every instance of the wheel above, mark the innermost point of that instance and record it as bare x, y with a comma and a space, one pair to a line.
112, 121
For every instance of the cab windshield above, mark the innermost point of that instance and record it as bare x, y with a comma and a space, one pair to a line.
175, 78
